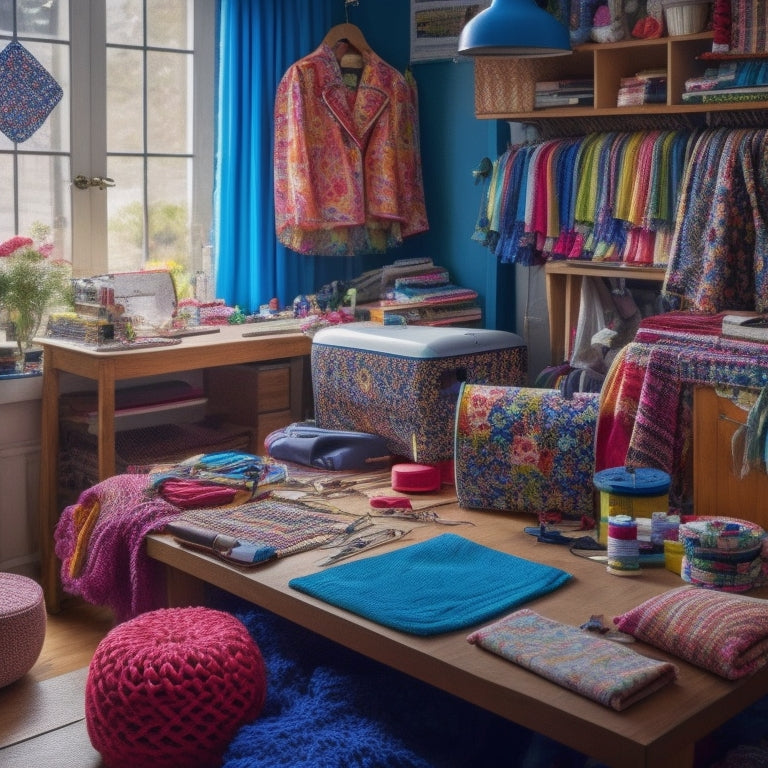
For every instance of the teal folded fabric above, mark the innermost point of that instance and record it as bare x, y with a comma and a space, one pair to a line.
439, 585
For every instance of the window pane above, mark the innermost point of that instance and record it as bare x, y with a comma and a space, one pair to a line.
125, 104
169, 79
44, 199
36, 18
125, 213
53, 134
125, 22
168, 184
169, 24
7, 225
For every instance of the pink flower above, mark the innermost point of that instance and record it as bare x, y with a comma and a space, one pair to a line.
13, 245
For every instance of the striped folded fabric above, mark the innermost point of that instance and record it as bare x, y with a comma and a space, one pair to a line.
719, 631
592, 666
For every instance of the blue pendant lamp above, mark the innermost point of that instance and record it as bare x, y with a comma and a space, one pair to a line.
514, 28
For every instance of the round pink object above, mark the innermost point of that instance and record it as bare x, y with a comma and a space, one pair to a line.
22, 626
171, 687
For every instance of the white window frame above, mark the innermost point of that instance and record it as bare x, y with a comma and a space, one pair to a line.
89, 139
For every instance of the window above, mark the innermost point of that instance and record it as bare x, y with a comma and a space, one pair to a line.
138, 110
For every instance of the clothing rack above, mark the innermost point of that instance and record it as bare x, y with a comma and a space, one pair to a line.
656, 198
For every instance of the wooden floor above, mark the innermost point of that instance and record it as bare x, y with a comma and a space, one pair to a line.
41, 715
71, 637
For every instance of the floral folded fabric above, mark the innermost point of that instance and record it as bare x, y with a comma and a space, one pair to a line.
599, 669
719, 631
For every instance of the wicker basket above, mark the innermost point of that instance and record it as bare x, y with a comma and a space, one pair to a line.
505, 85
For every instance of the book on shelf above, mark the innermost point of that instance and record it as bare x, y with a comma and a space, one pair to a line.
424, 313
645, 87
750, 327
564, 100
725, 95
731, 74
565, 86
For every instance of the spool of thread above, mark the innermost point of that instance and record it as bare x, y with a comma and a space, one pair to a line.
623, 546
664, 527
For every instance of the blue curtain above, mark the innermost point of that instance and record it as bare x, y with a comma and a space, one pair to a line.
258, 41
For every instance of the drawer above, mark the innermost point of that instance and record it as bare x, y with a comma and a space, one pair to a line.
243, 392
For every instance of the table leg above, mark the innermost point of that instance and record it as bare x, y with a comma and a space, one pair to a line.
106, 420
183, 589
49, 484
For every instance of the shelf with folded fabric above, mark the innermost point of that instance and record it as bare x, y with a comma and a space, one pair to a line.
563, 288
505, 86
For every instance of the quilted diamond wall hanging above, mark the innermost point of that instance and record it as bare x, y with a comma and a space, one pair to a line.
28, 92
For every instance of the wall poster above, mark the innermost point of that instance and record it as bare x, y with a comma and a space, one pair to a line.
436, 25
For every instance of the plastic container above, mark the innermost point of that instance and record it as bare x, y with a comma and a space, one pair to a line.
673, 556
637, 493
685, 17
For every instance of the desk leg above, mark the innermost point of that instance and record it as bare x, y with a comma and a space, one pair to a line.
684, 758
183, 589
106, 420
49, 484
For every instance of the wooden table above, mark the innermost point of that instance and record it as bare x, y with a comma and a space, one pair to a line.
658, 732
227, 347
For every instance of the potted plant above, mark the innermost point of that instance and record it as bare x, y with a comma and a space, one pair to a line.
31, 283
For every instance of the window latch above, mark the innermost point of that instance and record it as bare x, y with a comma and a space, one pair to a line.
102, 182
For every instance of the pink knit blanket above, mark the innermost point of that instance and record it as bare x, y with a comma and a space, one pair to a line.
100, 542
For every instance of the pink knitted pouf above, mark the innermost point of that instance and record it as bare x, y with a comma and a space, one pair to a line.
171, 687
22, 626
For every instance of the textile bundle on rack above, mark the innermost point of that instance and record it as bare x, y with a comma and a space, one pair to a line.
718, 255
692, 200
604, 196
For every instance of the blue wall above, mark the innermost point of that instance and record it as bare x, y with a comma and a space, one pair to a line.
453, 142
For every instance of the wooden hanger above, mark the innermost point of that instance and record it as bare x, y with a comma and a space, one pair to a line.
349, 32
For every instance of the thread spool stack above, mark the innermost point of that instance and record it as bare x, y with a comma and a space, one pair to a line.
623, 546
634, 492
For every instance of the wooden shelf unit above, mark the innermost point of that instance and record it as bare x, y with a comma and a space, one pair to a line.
717, 490
504, 86
563, 288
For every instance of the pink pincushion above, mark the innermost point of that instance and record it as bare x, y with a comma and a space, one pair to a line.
171, 687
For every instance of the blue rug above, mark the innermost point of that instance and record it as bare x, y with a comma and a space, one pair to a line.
439, 585
328, 707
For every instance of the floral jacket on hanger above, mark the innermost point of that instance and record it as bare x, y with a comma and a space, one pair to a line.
347, 161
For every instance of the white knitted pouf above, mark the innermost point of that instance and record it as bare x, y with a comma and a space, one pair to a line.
22, 626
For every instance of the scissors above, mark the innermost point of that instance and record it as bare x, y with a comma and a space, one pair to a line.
400, 507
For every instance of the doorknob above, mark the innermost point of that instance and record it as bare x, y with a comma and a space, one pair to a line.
102, 182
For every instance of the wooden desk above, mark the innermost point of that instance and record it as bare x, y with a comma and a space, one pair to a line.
658, 732
227, 347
